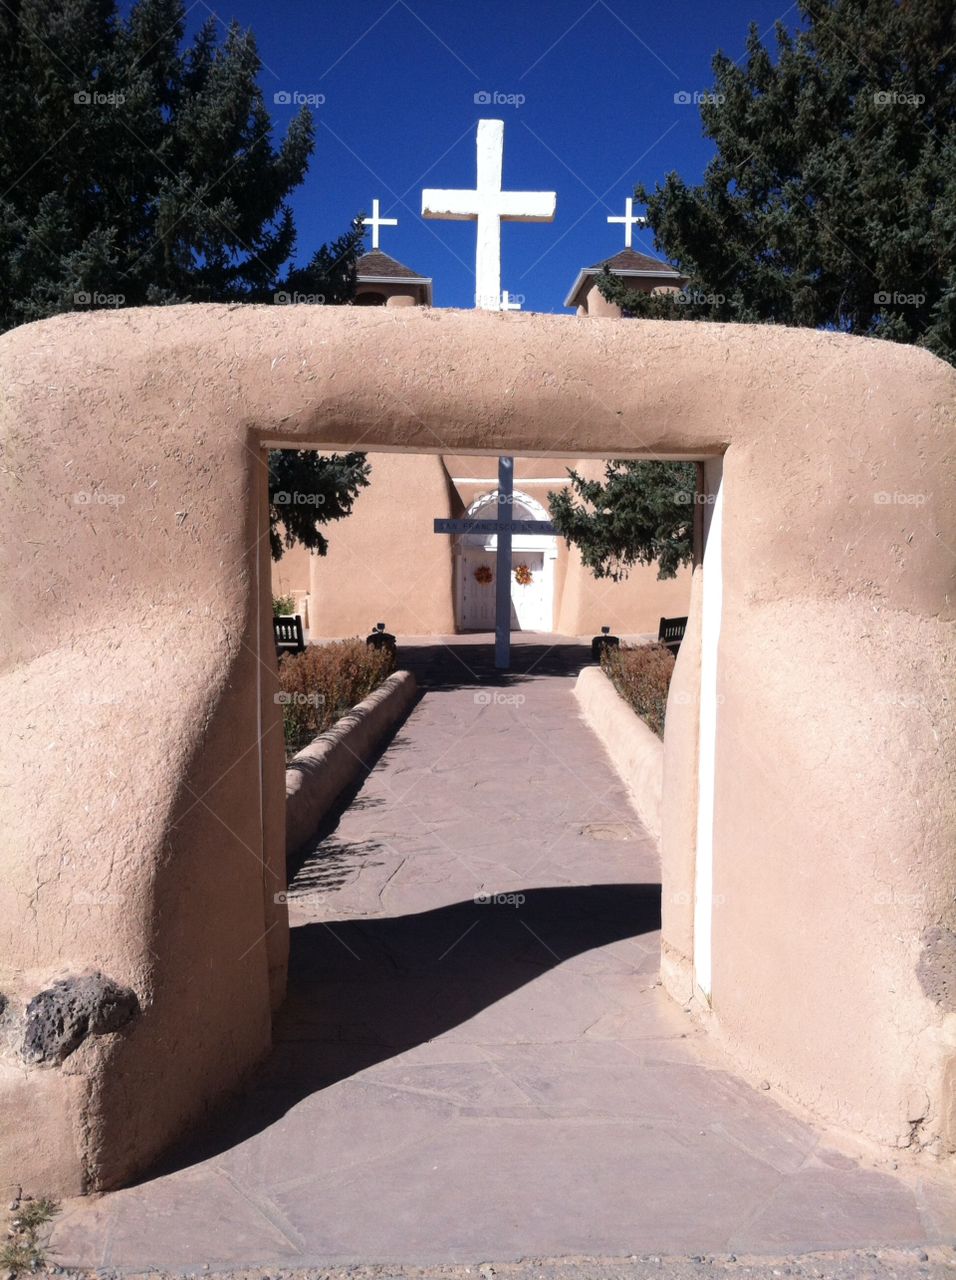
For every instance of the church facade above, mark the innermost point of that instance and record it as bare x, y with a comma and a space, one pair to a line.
385, 563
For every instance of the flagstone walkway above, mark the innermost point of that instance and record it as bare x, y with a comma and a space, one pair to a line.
475, 1061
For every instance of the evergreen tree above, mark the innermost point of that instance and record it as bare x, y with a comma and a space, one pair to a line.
831, 200
642, 512
135, 171
307, 489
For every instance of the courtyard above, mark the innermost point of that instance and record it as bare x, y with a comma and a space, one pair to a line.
476, 1059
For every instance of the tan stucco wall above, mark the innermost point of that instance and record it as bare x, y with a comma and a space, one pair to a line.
142, 714
384, 562
290, 577
597, 306
633, 606
395, 292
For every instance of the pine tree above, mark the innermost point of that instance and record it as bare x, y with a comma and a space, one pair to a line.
642, 512
831, 200
138, 172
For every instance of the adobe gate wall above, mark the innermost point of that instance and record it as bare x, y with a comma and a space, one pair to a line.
138, 683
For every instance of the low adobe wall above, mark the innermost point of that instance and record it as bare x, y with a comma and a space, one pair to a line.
636, 752
141, 774
321, 771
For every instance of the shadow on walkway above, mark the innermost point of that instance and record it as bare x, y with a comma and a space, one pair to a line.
469, 661
362, 991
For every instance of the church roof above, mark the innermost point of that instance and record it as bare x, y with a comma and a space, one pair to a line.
626, 263
629, 260
376, 265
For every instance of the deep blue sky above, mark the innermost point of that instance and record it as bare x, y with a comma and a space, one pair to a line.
399, 78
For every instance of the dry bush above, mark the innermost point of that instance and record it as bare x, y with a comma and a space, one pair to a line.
642, 674
320, 685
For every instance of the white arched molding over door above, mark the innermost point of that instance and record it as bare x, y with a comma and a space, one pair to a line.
532, 597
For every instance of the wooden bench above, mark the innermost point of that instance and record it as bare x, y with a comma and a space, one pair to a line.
671, 633
288, 634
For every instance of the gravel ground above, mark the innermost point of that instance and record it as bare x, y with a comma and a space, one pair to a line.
880, 1264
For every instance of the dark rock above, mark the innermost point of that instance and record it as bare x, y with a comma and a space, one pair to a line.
936, 967
59, 1019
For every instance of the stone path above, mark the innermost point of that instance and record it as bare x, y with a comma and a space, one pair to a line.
475, 1061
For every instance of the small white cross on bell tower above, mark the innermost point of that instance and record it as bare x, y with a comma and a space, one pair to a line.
375, 221
630, 222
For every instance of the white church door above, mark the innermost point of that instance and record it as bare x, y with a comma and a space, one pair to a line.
477, 568
532, 571
530, 595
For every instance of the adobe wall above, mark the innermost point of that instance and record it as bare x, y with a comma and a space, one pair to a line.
385, 562
140, 716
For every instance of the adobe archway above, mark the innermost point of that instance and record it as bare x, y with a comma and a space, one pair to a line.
138, 683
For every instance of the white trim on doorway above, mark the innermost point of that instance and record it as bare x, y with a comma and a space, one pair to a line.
711, 606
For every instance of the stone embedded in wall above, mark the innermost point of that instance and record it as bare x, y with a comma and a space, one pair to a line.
60, 1018
936, 969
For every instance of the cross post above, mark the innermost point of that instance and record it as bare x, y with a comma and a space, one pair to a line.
489, 206
506, 488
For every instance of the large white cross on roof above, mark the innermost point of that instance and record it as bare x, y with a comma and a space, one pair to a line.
630, 222
488, 205
375, 222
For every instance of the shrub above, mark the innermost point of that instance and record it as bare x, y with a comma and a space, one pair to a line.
320, 685
282, 606
642, 674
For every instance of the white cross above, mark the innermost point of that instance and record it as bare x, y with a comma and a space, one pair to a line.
489, 205
507, 304
630, 222
375, 222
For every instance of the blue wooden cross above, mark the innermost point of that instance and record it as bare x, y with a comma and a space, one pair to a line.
504, 527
